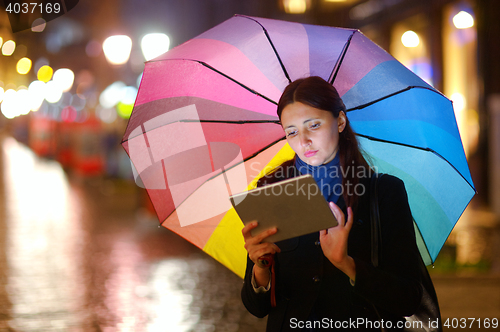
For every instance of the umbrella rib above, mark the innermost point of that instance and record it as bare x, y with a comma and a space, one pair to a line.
232, 122
390, 95
272, 45
225, 169
336, 69
418, 148
235, 81
277, 55
249, 157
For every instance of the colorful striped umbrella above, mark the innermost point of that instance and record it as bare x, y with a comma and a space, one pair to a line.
204, 126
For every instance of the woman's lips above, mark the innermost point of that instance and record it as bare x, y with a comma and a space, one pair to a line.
309, 154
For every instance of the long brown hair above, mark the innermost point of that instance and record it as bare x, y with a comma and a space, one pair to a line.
316, 92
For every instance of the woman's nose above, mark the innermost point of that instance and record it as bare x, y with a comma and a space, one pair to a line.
304, 140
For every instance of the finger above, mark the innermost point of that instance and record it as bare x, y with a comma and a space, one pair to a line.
337, 212
246, 231
350, 218
259, 238
264, 234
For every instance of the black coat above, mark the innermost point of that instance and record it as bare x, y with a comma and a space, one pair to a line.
310, 288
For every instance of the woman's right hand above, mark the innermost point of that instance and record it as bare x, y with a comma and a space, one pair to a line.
254, 245
256, 249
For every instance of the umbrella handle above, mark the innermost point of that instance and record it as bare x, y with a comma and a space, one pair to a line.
265, 261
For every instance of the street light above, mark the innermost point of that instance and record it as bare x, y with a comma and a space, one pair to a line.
117, 49
154, 44
410, 39
463, 20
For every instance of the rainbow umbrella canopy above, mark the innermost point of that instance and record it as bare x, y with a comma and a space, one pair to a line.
204, 126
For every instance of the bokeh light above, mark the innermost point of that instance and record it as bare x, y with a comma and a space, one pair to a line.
112, 94
8, 47
45, 73
23, 66
410, 39
295, 6
64, 77
23, 102
2, 92
69, 114
129, 95
38, 25
53, 92
8, 106
126, 104
117, 49
36, 94
124, 110
15, 103
154, 44
463, 20
458, 102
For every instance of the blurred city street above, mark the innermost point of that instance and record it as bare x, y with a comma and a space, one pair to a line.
84, 255
78, 255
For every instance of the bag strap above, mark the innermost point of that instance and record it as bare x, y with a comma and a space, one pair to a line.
375, 220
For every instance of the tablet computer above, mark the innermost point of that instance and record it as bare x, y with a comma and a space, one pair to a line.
295, 206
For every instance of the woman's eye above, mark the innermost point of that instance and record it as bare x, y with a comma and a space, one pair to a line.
291, 133
314, 126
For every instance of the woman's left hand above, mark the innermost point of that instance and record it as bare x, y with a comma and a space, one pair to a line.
334, 241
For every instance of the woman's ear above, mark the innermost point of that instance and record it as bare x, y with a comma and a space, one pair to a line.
342, 121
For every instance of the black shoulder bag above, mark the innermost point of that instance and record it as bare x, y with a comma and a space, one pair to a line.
427, 317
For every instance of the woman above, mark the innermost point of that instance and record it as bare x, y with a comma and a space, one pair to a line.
325, 279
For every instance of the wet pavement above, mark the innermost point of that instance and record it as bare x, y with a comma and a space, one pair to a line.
79, 254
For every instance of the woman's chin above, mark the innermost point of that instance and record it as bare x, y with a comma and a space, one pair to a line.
312, 161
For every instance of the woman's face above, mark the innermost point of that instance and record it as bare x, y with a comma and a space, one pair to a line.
312, 133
